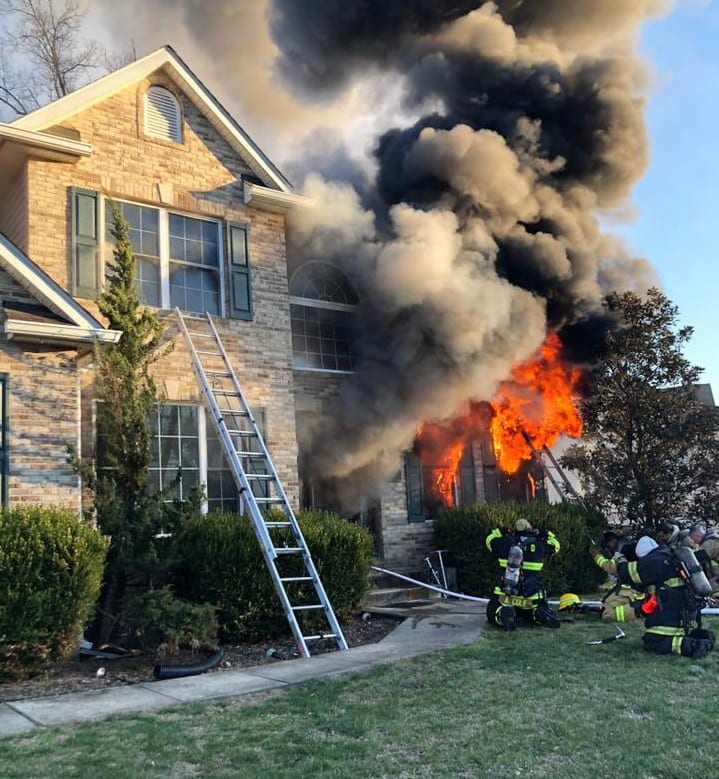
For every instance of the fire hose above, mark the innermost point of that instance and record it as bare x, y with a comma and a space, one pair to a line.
461, 596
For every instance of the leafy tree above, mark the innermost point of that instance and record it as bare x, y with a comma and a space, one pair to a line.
650, 450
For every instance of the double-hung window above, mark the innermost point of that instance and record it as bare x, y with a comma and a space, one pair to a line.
186, 452
182, 259
178, 257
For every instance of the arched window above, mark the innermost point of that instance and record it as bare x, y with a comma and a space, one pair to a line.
322, 304
163, 116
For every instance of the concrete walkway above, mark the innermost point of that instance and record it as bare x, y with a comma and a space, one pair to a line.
425, 629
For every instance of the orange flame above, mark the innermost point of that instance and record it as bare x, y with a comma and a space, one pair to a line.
440, 448
537, 401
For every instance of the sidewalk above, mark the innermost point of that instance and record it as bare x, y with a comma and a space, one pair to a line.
425, 629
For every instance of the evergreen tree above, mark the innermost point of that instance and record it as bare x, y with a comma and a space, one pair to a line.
650, 450
126, 391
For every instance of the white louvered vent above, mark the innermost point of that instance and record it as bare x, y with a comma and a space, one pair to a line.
163, 118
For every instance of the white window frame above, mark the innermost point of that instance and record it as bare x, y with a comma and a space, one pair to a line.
164, 240
327, 305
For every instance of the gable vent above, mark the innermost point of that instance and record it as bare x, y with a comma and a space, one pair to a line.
163, 118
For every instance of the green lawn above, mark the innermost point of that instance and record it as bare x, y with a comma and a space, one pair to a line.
529, 704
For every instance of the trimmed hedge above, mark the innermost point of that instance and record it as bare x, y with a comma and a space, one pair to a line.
221, 563
463, 532
51, 566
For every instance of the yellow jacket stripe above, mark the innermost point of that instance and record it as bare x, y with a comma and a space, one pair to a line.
496, 533
526, 565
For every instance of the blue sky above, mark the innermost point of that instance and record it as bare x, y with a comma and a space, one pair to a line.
678, 199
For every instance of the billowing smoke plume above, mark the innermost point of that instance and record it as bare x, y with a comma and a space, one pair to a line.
503, 130
485, 232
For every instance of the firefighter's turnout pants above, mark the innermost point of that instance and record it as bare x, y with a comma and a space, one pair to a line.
529, 602
669, 628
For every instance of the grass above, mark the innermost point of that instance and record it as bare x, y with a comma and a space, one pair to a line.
534, 703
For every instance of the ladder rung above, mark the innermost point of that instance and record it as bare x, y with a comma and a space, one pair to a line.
208, 354
249, 454
234, 413
297, 579
288, 549
260, 476
312, 607
276, 501
320, 636
278, 524
217, 373
227, 393
246, 433
201, 335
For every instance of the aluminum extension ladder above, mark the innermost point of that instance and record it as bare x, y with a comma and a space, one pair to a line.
553, 471
258, 484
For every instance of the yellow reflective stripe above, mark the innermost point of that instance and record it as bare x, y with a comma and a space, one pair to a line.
619, 613
529, 566
633, 572
663, 630
502, 562
677, 644
496, 533
518, 601
552, 540
675, 582
601, 560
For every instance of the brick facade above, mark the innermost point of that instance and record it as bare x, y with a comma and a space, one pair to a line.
43, 417
202, 176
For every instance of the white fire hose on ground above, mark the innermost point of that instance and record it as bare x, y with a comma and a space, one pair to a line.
461, 596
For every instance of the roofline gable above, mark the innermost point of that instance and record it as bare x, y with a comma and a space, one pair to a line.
165, 57
44, 288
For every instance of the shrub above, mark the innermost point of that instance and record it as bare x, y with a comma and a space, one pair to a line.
158, 618
221, 563
463, 532
51, 565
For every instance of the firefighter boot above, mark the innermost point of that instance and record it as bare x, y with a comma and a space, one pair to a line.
707, 635
543, 615
506, 618
696, 648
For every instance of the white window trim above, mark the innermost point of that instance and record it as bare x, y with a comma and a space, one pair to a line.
328, 306
313, 303
164, 239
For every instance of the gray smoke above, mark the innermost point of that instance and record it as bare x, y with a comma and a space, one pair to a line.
502, 132
487, 234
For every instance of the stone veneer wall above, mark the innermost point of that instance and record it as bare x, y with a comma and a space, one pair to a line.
201, 176
42, 415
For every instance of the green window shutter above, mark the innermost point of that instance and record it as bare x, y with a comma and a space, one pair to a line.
415, 497
85, 243
239, 262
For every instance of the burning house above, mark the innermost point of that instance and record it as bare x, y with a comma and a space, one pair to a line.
423, 314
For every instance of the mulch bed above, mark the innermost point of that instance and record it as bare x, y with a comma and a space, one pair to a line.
81, 674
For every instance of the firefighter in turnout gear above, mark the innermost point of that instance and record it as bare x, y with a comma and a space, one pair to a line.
521, 554
623, 601
672, 607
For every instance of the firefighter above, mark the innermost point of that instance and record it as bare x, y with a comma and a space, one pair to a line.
706, 545
672, 607
668, 534
623, 601
521, 554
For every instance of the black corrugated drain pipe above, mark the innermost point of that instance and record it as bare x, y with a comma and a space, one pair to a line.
179, 671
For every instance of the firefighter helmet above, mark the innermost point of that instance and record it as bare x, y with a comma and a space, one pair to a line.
569, 601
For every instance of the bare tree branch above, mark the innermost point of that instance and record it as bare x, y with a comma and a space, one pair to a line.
48, 36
